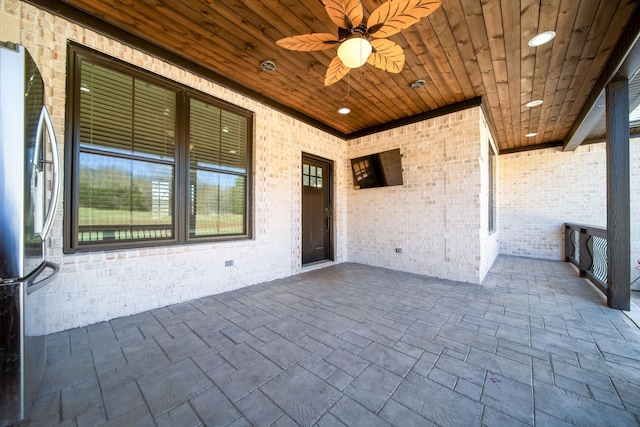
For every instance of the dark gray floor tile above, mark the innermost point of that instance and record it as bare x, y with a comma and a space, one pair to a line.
582, 375
236, 334
182, 346
122, 399
443, 378
66, 372
348, 362
461, 369
629, 392
387, 358
142, 350
167, 388
501, 365
373, 387
467, 338
214, 408
94, 416
181, 415
291, 328
124, 374
258, 409
244, 380
398, 415
139, 417
302, 395
353, 414
339, 379
240, 355
469, 389
494, 418
285, 421
565, 342
378, 333
509, 397
438, 403
578, 410
282, 352
108, 358
329, 420
207, 359
80, 398
424, 330
425, 364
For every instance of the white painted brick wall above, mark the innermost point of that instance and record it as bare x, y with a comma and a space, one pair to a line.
541, 190
435, 216
103, 285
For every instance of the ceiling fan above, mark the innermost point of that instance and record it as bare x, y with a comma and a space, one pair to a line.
354, 45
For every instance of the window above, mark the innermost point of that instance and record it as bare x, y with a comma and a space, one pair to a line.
311, 176
492, 189
152, 162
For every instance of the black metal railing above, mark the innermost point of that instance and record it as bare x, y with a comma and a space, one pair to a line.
586, 248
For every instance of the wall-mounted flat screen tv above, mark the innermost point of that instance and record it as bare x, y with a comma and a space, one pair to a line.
377, 170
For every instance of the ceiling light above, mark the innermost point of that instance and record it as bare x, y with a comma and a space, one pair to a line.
534, 103
344, 110
354, 52
542, 38
529, 135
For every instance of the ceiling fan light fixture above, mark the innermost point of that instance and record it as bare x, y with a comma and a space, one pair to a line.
534, 103
344, 110
542, 38
354, 52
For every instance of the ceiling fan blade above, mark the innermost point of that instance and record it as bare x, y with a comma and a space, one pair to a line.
308, 42
344, 13
336, 71
386, 55
394, 16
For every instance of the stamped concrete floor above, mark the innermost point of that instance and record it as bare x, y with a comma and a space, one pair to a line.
358, 345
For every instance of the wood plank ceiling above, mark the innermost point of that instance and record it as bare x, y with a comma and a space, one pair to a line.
465, 49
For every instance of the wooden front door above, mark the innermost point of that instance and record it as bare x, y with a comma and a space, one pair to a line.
316, 209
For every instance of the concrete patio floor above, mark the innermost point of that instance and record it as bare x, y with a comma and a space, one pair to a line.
358, 345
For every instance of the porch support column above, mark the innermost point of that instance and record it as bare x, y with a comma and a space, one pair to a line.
618, 196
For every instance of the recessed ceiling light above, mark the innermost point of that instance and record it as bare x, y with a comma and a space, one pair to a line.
344, 110
542, 38
534, 103
529, 135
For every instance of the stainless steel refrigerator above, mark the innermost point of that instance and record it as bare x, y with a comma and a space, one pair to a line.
29, 187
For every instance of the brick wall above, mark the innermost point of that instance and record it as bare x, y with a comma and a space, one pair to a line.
435, 217
541, 190
96, 286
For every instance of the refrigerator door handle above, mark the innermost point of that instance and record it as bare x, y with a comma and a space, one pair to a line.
53, 203
30, 284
